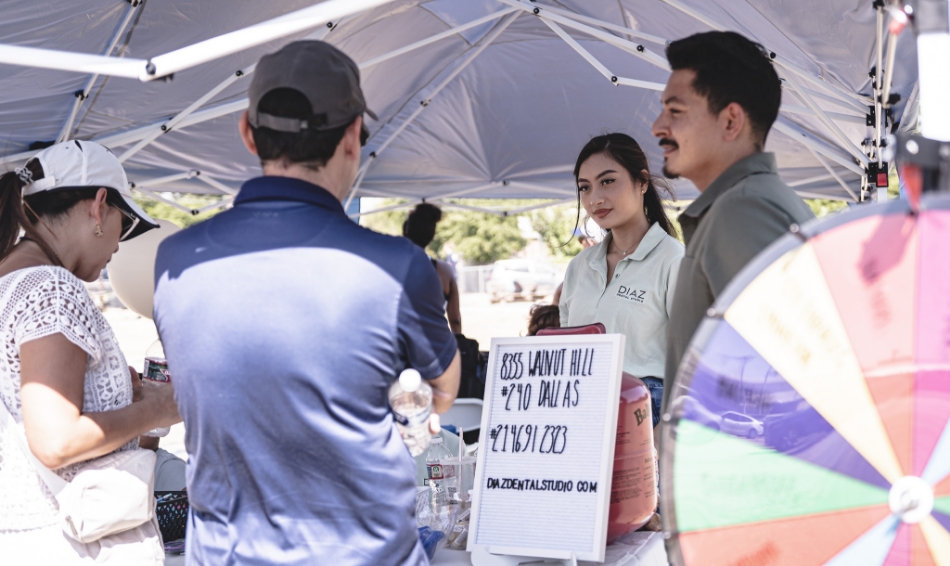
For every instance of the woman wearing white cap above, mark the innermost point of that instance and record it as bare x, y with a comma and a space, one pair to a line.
63, 377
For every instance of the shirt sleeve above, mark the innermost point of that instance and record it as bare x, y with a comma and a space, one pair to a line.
50, 302
743, 228
567, 287
426, 342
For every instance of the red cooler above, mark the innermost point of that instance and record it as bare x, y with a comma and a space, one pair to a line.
633, 497
633, 489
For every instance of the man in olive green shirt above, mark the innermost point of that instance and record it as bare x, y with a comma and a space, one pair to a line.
718, 106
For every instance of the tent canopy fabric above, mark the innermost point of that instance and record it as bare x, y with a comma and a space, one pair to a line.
499, 109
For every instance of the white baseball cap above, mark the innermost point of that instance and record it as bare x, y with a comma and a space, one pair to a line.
84, 164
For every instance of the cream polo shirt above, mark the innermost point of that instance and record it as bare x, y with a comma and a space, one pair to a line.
636, 303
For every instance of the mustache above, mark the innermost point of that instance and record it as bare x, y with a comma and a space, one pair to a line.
669, 142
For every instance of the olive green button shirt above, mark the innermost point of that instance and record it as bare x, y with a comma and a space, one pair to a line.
743, 211
635, 303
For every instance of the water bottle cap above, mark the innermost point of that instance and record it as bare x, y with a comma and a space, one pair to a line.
410, 380
436, 440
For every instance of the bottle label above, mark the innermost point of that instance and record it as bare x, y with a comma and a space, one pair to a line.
434, 471
156, 369
417, 419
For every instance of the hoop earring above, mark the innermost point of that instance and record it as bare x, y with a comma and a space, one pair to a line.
98, 231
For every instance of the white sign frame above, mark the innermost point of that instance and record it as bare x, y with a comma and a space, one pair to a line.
597, 553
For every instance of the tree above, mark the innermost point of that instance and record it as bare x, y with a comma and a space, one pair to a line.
556, 225
478, 237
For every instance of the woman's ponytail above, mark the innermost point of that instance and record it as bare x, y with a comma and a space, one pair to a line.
14, 216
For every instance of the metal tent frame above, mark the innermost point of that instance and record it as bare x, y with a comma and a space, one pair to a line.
851, 167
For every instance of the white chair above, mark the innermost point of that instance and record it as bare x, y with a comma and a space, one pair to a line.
465, 414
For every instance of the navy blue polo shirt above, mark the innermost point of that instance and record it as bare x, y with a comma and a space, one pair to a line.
284, 324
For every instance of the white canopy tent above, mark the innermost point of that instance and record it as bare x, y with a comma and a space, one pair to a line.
475, 98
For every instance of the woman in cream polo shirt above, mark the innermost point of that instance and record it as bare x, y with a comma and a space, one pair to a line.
625, 282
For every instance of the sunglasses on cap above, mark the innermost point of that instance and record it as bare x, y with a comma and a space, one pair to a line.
129, 222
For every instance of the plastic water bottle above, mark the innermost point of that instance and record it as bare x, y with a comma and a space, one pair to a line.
411, 401
443, 484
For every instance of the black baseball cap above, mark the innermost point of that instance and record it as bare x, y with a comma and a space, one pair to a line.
325, 75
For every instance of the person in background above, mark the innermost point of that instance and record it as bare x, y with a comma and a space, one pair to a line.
63, 377
543, 316
718, 106
419, 227
284, 323
169, 469
626, 281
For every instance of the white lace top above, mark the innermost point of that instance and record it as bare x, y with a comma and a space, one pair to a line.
37, 302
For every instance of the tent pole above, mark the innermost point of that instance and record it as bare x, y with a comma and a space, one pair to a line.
716, 26
136, 134
846, 143
223, 202
173, 122
796, 133
83, 94
468, 207
252, 36
479, 189
75, 62
808, 180
485, 42
607, 25
580, 50
165, 180
387, 208
212, 182
851, 118
878, 82
542, 205
155, 196
180, 117
192, 55
849, 103
628, 46
833, 174
541, 188
617, 81
434, 38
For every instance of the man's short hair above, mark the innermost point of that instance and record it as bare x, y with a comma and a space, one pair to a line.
731, 68
311, 148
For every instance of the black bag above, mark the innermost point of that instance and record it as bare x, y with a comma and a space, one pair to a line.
472, 385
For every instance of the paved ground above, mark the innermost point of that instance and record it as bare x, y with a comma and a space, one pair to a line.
481, 321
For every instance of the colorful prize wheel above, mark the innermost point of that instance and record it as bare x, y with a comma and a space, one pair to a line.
810, 420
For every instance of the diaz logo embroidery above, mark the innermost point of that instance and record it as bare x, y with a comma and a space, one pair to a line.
637, 295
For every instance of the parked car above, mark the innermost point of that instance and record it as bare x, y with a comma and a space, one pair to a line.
512, 279
741, 425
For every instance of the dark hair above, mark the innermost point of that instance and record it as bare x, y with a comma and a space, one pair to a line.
626, 151
14, 216
731, 68
311, 148
420, 224
543, 316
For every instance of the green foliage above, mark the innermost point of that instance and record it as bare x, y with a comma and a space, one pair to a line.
157, 209
389, 222
824, 207
479, 237
556, 226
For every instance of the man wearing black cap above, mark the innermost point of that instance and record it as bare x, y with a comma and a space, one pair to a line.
284, 324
